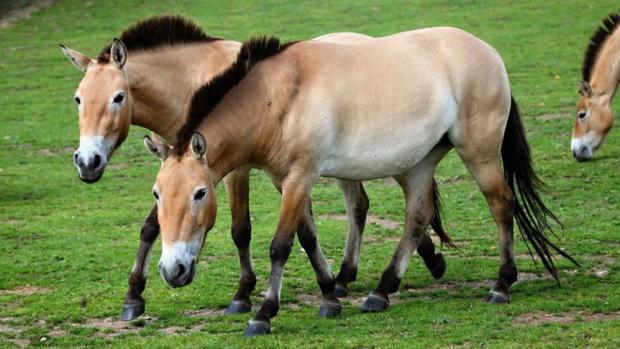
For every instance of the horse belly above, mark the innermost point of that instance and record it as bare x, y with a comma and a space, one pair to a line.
379, 152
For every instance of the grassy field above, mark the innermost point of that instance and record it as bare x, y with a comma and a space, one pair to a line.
66, 248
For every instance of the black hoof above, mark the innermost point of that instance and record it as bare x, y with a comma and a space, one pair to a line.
439, 266
341, 291
374, 304
330, 309
497, 297
238, 307
257, 328
132, 311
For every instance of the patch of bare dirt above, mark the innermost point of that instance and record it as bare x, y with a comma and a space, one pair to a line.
204, 312
370, 219
118, 166
111, 327
26, 290
20, 11
20, 343
540, 318
451, 180
552, 116
5, 328
177, 329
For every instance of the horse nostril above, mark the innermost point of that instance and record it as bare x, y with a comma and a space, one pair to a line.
96, 161
574, 154
181, 270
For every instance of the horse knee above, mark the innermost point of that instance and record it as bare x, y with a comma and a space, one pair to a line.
241, 232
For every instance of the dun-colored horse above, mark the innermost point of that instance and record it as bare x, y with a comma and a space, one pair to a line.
601, 75
146, 78
391, 106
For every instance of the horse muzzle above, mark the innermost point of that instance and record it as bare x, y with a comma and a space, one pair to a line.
178, 274
90, 166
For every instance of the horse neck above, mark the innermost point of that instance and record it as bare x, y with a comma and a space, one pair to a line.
606, 72
162, 82
246, 127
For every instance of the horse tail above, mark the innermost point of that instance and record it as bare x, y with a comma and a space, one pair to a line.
533, 217
436, 220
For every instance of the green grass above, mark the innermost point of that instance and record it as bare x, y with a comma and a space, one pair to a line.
78, 241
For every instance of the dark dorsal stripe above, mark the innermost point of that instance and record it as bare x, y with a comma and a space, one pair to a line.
209, 95
596, 44
159, 31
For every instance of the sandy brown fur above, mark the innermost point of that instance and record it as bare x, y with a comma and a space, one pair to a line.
207, 97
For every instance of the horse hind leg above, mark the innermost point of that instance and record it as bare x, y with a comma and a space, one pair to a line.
356, 202
500, 199
418, 188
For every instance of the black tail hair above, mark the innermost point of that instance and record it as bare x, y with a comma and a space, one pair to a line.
532, 216
436, 220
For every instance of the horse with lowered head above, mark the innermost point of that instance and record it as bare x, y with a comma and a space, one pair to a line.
391, 106
600, 78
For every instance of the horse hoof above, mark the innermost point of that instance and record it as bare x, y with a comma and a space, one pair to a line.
257, 328
341, 291
238, 307
330, 309
374, 304
496, 297
132, 311
439, 266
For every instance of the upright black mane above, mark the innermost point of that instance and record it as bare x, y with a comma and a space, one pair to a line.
159, 31
209, 95
596, 44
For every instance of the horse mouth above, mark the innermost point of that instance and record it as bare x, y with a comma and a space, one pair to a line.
91, 178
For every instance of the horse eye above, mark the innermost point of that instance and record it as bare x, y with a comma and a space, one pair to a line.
78, 100
200, 194
581, 114
155, 195
119, 98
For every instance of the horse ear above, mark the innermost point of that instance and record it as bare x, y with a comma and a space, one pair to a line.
585, 89
118, 52
199, 145
79, 60
160, 150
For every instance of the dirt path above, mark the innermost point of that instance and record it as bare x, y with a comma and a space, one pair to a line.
20, 9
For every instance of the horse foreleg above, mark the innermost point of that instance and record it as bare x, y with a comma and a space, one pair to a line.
238, 188
295, 192
134, 304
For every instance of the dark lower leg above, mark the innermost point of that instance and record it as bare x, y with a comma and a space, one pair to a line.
241, 234
419, 211
133, 306
357, 204
279, 252
433, 261
238, 189
502, 207
308, 239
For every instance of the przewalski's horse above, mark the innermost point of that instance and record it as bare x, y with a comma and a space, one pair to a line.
145, 79
391, 106
600, 74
